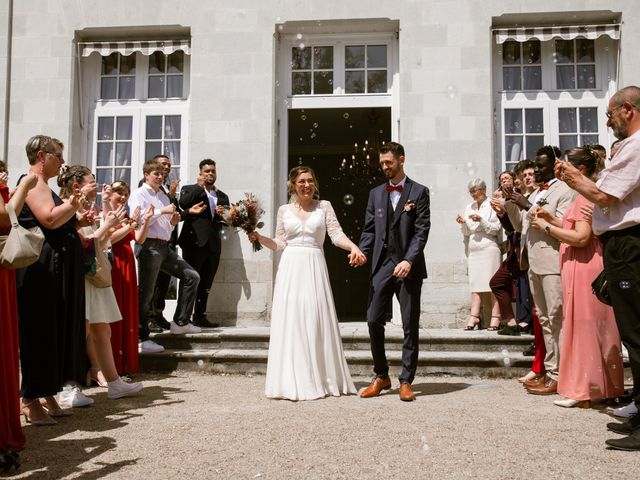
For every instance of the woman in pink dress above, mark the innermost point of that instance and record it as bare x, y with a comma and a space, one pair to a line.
590, 361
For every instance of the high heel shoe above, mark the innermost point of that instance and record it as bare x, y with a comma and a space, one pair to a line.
41, 422
570, 403
530, 376
475, 324
491, 327
56, 411
93, 377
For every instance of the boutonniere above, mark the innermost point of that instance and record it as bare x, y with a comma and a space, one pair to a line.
542, 202
410, 205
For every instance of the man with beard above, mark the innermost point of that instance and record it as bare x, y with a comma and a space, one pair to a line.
541, 251
616, 220
396, 229
200, 236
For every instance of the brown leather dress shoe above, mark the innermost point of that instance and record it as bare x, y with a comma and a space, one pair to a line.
375, 387
535, 382
549, 388
406, 394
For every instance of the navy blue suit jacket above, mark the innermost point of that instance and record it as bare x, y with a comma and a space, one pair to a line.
411, 223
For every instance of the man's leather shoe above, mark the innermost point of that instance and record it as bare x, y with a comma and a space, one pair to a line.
406, 394
513, 331
535, 382
548, 388
159, 322
204, 322
375, 387
529, 352
633, 425
629, 444
153, 327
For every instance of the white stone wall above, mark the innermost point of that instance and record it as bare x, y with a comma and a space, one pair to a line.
445, 104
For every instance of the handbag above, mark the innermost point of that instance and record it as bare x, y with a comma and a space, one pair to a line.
100, 277
22, 246
600, 288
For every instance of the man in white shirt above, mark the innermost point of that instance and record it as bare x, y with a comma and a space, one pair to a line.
155, 255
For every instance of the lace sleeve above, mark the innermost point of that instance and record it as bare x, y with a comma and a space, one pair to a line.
280, 237
331, 221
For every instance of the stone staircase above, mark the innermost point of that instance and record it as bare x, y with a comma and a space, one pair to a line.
442, 351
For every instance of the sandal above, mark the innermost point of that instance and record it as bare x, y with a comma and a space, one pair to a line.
474, 324
493, 328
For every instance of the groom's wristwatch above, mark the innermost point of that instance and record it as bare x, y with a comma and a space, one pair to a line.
548, 229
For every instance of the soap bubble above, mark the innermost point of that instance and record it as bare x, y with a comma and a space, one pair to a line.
345, 116
299, 36
315, 125
303, 117
379, 213
452, 91
200, 363
348, 199
280, 28
301, 46
424, 446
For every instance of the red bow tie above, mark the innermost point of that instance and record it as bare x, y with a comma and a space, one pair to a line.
544, 186
397, 188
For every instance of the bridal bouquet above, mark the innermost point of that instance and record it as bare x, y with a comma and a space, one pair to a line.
245, 215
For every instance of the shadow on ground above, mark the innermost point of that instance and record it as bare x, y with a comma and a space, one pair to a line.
49, 455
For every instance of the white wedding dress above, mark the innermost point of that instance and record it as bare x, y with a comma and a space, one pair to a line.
306, 360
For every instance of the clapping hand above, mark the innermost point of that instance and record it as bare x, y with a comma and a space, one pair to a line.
148, 214
460, 219
4, 177
175, 218
173, 188
135, 216
475, 217
115, 217
356, 257
497, 203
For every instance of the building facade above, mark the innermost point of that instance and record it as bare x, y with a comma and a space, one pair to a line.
468, 87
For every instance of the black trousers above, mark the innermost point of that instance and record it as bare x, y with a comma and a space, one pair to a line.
383, 286
205, 262
622, 267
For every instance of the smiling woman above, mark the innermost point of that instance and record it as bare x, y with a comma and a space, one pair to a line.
306, 360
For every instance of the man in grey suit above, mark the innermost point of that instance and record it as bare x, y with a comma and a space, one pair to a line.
542, 252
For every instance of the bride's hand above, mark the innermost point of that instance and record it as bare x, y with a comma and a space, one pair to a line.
356, 257
254, 236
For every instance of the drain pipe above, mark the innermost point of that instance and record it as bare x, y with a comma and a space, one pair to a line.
7, 92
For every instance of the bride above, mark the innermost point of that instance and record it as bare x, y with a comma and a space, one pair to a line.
306, 360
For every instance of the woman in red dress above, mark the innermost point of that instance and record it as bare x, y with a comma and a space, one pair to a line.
124, 334
11, 435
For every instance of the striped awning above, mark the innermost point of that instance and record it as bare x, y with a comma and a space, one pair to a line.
127, 48
524, 34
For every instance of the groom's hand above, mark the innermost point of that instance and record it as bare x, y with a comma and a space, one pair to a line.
402, 269
357, 258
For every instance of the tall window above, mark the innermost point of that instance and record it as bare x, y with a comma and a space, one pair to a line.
365, 68
140, 107
311, 70
551, 87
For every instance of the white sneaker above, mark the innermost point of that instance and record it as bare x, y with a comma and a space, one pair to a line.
182, 329
72, 396
120, 388
626, 411
625, 353
149, 346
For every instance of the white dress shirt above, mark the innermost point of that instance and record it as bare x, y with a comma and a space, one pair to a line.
212, 196
395, 195
160, 226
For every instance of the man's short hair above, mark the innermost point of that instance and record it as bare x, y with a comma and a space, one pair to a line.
152, 166
522, 165
395, 148
206, 161
161, 155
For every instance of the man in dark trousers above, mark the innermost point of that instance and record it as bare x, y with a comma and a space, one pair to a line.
395, 233
200, 236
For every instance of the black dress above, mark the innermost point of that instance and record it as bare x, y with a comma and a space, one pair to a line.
51, 311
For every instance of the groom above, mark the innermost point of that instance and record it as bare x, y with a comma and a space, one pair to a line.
395, 233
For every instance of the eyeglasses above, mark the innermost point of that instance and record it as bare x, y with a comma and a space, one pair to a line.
610, 114
59, 155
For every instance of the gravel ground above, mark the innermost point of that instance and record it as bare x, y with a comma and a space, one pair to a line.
188, 425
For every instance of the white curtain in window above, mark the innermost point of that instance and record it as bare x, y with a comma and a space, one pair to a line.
127, 48
522, 34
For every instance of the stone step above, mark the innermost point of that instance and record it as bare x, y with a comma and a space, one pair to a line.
254, 361
354, 337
